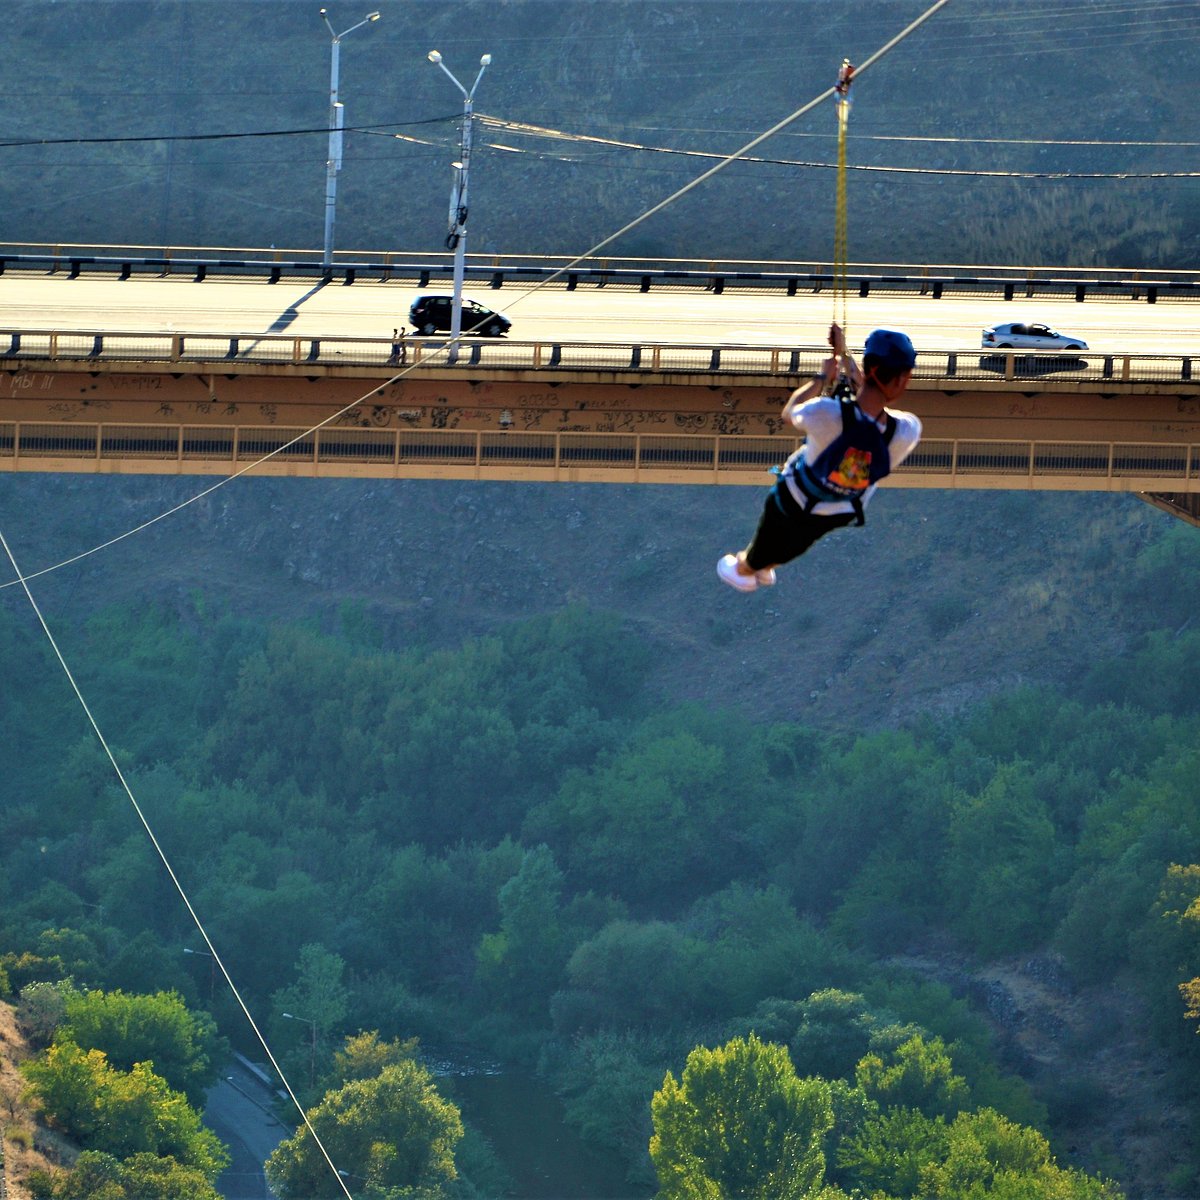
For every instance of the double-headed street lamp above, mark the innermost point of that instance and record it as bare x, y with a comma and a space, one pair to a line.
337, 119
456, 239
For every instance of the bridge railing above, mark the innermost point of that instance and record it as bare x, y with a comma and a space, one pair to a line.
423, 268
698, 457
383, 357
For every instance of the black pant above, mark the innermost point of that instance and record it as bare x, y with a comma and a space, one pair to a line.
785, 530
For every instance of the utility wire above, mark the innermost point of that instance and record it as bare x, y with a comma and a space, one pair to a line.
591, 139
218, 137
937, 139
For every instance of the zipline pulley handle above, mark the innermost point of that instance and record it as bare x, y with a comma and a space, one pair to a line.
844, 80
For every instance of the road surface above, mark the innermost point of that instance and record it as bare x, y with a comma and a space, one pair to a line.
238, 1112
588, 314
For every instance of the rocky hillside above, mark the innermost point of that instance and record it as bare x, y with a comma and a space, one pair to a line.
27, 1145
1007, 89
942, 599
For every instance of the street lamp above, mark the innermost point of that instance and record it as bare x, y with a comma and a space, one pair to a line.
312, 1058
456, 239
212, 971
337, 121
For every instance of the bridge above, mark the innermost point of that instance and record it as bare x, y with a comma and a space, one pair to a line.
310, 379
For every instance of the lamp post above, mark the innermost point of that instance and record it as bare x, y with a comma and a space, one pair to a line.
337, 121
212, 971
456, 239
312, 1058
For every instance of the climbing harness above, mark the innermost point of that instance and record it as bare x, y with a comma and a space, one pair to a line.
855, 460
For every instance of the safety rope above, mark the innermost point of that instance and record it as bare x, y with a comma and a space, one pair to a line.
841, 315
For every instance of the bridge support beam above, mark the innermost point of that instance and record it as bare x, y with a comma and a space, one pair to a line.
1184, 505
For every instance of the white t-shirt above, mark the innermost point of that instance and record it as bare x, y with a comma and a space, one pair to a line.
820, 420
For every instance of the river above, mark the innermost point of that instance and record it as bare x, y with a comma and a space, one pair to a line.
523, 1120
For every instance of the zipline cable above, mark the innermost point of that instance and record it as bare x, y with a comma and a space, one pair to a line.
450, 348
907, 31
451, 345
23, 580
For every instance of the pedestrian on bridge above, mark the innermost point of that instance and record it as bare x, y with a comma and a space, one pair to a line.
852, 440
399, 354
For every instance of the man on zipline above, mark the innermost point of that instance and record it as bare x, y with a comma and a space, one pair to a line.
850, 444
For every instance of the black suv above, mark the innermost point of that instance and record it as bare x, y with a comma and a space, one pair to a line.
431, 312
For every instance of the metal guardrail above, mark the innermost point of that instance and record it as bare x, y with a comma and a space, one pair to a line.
643, 275
383, 355
939, 463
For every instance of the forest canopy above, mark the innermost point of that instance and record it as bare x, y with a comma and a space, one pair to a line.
513, 844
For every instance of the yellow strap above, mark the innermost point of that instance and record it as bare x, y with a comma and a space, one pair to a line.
840, 241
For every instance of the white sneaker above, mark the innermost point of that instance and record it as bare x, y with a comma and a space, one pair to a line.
727, 570
765, 577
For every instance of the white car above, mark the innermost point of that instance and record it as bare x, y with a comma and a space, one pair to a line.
1017, 335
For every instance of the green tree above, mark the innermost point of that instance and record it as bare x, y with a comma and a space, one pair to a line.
395, 1132
183, 1046
365, 1055
65, 1083
917, 1074
295, 907
1170, 946
56, 954
41, 1010
605, 1079
868, 788
1190, 991
630, 973
756, 945
832, 1035
989, 1156
420, 907
120, 1112
739, 1123
1001, 863
888, 1153
144, 965
523, 963
653, 822
318, 992
100, 1176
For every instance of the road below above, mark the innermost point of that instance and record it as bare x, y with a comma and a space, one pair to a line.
239, 1112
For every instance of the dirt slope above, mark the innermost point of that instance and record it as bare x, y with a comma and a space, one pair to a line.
1088, 1054
27, 1144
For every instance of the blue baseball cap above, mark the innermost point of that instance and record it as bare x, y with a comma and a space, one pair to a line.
892, 347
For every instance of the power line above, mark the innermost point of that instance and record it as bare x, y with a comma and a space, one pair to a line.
217, 137
590, 139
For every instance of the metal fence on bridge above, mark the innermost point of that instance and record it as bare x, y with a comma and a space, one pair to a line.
383, 356
699, 458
